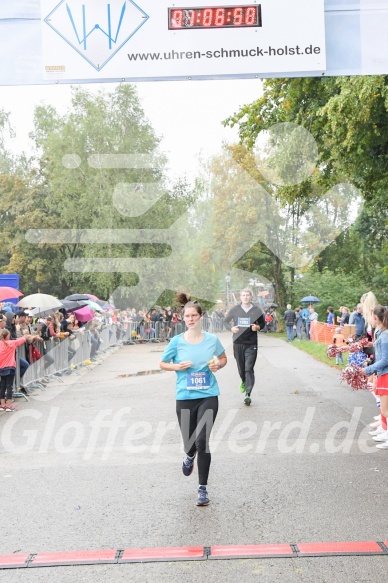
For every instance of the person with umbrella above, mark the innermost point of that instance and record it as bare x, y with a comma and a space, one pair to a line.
306, 312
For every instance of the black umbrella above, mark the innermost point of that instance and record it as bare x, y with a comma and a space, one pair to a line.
77, 297
70, 305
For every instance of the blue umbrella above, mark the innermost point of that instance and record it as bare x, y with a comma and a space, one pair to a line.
11, 307
310, 300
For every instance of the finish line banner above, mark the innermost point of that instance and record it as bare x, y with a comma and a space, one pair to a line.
102, 39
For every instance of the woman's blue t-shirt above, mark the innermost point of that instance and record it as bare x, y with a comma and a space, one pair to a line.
198, 375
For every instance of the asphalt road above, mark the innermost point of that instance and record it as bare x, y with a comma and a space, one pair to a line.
95, 463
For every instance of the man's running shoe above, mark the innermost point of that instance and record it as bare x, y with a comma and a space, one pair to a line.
188, 465
203, 499
242, 388
247, 400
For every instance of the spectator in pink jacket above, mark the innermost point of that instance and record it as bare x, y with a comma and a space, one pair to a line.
8, 367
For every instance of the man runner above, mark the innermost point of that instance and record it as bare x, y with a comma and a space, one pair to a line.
247, 320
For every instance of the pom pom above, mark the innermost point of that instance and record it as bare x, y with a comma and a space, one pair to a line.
357, 358
358, 346
331, 351
355, 376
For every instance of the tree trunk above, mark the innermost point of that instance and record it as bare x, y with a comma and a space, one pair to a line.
277, 272
292, 280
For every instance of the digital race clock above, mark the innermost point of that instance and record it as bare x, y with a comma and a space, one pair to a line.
214, 17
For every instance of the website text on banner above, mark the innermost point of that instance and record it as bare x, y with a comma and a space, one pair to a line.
160, 40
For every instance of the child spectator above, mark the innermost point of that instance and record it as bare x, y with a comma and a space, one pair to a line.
268, 322
339, 341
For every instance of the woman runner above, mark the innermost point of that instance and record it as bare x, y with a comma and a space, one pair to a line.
195, 356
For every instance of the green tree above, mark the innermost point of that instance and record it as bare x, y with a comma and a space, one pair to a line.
74, 189
348, 118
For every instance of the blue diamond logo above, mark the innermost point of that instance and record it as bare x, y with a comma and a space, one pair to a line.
96, 30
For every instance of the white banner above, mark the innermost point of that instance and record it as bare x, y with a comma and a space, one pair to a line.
101, 39
374, 36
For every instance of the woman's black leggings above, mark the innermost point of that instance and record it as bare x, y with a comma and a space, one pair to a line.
6, 386
196, 418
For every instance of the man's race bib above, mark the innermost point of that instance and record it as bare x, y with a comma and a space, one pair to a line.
198, 381
243, 322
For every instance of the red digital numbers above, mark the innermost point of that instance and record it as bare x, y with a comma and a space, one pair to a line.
176, 18
251, 16
237, 16
207, 17
214, 17
220, 17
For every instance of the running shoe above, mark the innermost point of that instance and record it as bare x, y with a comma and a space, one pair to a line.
203, 499
377, 431
242, 388
383, 445
381, 436
188, 465
247, 400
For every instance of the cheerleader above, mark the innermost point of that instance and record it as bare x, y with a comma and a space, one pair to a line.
379, 321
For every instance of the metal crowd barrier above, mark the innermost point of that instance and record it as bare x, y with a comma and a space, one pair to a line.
60, 356
135, 332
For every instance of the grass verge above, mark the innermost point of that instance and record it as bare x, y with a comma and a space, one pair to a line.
315, 349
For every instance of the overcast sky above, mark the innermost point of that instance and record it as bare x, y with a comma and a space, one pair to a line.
190, 124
